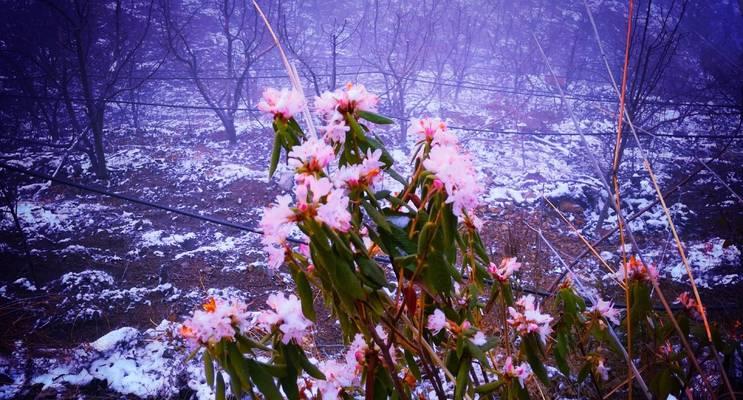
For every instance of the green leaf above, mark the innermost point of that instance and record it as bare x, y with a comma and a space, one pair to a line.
412, 365
372, 272
426, 235
376, 216
382, 194
236, 384
664, 384
219, 392
489, 387
462, 379
289, 384
346, 280
208, 369
275, 155
239, 372
641, 305
437, 273
375, 118
396, 176
531, 347
305, 295
296, 356
561, 353
263, 380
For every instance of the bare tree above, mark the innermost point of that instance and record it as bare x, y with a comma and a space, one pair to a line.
654, 41
101, 42
9, 204
318, 53
399, 48
237, 41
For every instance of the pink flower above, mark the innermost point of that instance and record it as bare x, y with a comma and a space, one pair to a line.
371, 167
507, 267
348, 176
458, 175
365, 174
521, 372
351, 98
334, 212
602, 370
427, 128
312, 190
479, 339
606, 310
356, 352
335, 128
337, 376
217, 320
327, 104
526, 318
287, 314
638, 271
436, 321
282, 104
689, 304
276, 256
358, 98
276, 225
275, 219
311, 156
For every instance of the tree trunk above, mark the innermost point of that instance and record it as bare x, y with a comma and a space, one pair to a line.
229, 129
101, 172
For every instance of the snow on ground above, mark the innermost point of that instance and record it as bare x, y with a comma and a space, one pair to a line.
91, 294
145, 364
707, 260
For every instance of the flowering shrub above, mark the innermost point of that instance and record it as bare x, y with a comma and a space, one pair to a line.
423, 309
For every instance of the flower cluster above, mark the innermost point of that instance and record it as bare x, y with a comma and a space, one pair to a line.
317, 196
287, 315
217, 320
337, 376
520, 372
605, 309
276, 227
436, 321
284, 104
347, 373
507, 267
310, 157
433, 131
638, 271
452, 168
526, 318
689, 304
331, 107
365, 174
